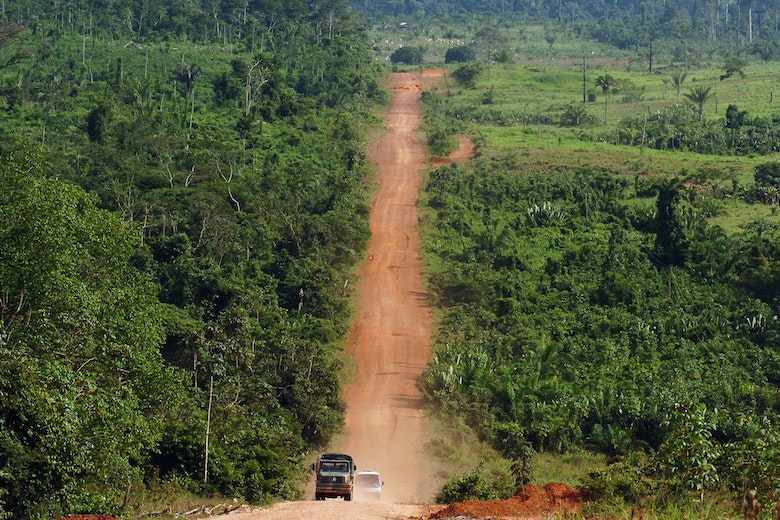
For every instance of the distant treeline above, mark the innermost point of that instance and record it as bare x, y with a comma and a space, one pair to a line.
628, 25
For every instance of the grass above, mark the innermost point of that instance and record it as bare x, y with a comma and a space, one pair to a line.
549, 84
458, 449
738, 214
568, 468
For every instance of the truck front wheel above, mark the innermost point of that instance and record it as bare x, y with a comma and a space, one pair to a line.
348, 497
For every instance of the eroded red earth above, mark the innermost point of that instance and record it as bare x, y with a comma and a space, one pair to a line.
529, 502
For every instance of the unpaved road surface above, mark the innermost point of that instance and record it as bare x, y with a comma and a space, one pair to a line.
390, 341
337, 510
391, 336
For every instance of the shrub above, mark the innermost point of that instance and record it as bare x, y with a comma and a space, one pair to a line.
466, 75
475, 486
408, 55
461, 53
630, 481
768, 175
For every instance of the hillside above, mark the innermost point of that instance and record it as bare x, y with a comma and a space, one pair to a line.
185, 202
183, 206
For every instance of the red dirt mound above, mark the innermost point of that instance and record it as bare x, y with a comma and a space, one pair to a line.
529, 502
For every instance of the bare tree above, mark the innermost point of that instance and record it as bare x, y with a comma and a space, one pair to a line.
256, 77
228, 179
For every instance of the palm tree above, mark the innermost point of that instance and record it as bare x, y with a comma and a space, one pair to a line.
605, 82
677, 80
699, 96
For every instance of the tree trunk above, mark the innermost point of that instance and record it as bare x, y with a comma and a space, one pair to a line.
208, 428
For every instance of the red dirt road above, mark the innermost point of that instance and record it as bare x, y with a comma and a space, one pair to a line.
391, 337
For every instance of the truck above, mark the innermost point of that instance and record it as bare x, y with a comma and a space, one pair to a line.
335, 476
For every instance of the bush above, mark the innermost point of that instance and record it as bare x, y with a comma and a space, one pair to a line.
630, 481
461, 53
502, 56
408, 55
768, 175
476, 486
575, 114
466, 75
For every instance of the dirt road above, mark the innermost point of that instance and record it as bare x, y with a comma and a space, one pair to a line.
391, 338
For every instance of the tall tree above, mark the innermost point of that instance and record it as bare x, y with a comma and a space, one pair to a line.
84, 389
489, 39
606, 83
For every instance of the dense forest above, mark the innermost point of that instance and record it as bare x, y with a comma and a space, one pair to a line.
580, 313
183, 201
718, 17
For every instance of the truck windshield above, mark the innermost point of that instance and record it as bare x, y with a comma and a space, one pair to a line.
341, 467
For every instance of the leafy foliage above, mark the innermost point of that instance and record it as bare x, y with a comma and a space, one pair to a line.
467, 74
475, 485
575, 318
408, 55
180, 218
85, 390
461, 53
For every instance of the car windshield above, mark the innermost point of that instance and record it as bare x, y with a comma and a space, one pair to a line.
368, 480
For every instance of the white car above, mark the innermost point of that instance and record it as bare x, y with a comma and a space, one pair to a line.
368, 484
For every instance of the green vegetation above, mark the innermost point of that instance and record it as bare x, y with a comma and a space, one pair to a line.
606, 269
580, 320
182, 205
183, 201
408, 55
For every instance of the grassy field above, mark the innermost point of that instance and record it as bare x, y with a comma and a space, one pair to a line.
513, 111
547, 85
541, 91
